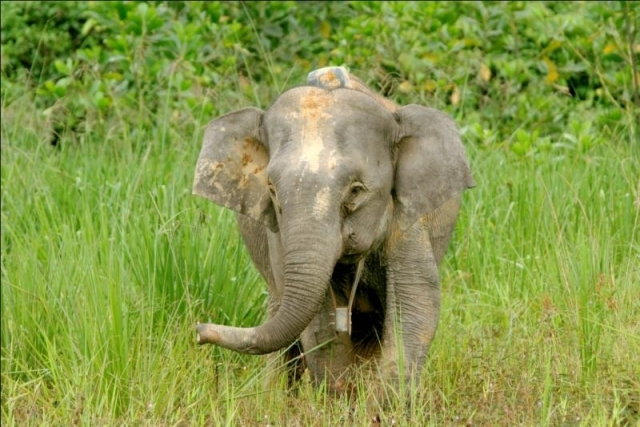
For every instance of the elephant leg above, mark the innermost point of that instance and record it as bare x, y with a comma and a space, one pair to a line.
327, 353
413, 304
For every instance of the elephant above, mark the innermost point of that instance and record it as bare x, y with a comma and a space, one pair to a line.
346, 202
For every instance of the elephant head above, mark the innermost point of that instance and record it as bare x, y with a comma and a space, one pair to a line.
331, 170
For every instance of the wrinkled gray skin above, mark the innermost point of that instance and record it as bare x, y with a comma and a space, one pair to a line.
329, 175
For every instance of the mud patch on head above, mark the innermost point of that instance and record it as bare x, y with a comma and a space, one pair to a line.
314, 107
314, 104
321, 204
332, 161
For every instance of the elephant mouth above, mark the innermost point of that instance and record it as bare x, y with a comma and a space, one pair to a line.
351, 258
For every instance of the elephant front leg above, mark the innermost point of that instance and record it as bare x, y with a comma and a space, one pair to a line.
327, 353
413, 305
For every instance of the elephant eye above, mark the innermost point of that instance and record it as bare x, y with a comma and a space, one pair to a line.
351, 199
356, 189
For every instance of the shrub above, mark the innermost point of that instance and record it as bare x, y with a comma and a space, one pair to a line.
517, 74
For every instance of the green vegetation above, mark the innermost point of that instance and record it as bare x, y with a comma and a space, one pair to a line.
108, 260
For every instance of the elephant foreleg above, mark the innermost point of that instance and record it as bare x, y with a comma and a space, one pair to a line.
413, 304
327, 353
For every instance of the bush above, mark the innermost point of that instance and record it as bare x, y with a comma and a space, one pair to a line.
517, 74
34, 34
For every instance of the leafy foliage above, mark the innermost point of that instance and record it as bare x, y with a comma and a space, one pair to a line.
518, 74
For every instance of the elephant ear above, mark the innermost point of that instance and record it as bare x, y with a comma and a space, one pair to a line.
431, 165
231, 168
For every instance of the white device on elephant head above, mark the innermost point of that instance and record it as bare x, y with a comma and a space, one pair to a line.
329, 77
343, 314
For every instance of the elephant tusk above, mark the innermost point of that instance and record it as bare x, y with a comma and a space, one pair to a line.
354, 287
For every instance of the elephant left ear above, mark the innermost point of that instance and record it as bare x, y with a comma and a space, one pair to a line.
431, 165
231, 168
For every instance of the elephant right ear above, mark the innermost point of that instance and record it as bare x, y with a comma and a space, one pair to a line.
231, 168
432, 164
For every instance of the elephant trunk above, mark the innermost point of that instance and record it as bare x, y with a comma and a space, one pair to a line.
312, 249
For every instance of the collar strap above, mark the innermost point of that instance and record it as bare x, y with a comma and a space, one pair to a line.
343, 314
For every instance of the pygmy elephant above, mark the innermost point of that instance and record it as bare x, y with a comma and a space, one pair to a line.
346, 203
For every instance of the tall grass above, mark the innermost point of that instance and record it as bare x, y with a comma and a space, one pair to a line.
108, 261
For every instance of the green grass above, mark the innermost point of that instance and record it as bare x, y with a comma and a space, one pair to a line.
108, 261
